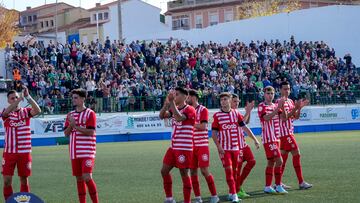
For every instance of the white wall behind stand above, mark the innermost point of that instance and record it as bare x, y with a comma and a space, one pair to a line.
338, 26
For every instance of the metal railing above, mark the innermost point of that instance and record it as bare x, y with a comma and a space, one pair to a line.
152, 103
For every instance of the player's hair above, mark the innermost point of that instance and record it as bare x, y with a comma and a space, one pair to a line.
193, 92
269, 89
284, 83
235, 95
81, 92
182, 90
11, 92
225, 94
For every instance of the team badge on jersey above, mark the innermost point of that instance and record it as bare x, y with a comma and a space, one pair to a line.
181, 159
3, 162
205, 157
88, 163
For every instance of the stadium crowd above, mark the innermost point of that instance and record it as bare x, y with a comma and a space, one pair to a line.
139, 74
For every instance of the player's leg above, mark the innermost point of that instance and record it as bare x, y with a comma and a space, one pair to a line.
278, 174
168, 164
87, 168
269, 174
80, 183
195, 184
248, 156
298, 169
211, 184
24, 170
7, 189
285, 148
8, 167
184, 172
239, 168
194, 176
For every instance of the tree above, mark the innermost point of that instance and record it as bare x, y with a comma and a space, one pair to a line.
8, 25
258, 8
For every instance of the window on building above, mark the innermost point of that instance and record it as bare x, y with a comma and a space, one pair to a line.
46, 23
181, 22
213, 18
52, 23
100, 16
199, 21
24, 19
106, 15
30, 18
94, 17
42, 24
34, 17
228, 15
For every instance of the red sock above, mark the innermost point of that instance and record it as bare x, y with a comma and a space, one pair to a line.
167, 182
297, 167
269, 173
284, 157
24, 188
278, 175
92, 191
246, 171
230, 180
238, 174
196, 185
81, 191
187, 189
7, 191
211, 184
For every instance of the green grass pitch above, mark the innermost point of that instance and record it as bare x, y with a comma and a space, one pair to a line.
129, 172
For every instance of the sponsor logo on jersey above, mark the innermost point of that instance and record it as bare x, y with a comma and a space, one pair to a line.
17, 124
228, 126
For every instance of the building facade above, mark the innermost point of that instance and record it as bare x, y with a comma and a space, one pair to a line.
191, 14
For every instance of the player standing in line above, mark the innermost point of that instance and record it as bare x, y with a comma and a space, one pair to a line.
287, 138
245, 153
269, 114
225, 133
17, 149
80, 126
201, 154
179, 154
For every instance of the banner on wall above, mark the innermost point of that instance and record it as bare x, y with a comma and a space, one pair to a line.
150, 122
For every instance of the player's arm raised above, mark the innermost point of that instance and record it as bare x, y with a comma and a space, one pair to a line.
12, 107
68, 128
164, 112
35, 109
176, 113
269, 116
301, 104
248, 108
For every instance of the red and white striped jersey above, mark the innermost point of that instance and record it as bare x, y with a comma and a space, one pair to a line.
201, 136
271, 128
82, 146
227, 124
287, 127
183, 132
242, 142
17, 131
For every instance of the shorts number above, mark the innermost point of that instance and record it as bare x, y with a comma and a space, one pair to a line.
289, 139
273, 147
241, 154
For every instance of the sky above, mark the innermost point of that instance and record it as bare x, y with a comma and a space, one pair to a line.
21, 5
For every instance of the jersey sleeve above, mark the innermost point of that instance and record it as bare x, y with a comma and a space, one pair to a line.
66, 125
190, 114
215, 123
240, 119
204, 116
3, 117
28, 112
91, 121
261, 112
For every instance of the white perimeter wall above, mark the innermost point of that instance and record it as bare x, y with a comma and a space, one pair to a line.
336, 25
